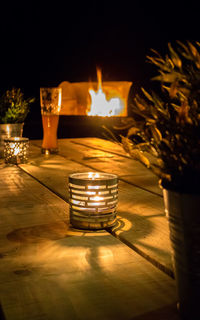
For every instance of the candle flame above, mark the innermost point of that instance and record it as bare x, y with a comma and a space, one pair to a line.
93, 175
16, 151
96, 198
90, 193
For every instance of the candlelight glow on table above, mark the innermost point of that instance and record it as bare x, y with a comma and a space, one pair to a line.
93, 199
16, 150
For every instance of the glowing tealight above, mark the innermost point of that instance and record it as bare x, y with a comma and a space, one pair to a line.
93, 175
90, 207
16, 150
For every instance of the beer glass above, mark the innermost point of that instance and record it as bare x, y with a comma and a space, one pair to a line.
50, 101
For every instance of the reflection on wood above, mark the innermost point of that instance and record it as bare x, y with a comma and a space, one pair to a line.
140, 210
50, 271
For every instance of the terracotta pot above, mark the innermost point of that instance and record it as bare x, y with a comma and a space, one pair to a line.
8, 130
183, 212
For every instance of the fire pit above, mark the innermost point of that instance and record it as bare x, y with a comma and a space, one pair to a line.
103, 99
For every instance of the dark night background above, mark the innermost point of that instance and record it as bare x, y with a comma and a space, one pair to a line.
47, 43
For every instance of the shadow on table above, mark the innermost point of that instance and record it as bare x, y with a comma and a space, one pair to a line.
137, 232
51, 231
165, 313
2, 317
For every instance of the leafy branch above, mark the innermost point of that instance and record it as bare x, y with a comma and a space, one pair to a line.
13, 107
164, 134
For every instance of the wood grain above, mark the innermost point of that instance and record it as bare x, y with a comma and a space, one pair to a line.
50, 271
104, 158
141, 220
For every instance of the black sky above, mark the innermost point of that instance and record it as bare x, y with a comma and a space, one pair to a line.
44, 44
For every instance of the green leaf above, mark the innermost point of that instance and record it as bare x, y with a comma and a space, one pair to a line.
127, 144
156, 134
174, 56
167, 77
193, 50
195, 54
149, 97
132, 131
13, 107
160, 64
125, 124
137, 155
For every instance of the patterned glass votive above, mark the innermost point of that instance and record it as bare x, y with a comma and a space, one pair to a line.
93, 200
16, 150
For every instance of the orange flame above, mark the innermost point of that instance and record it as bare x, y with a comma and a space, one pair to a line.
100, 106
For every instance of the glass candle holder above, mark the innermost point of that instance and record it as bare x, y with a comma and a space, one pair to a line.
8, 130
16, 150
50, 101
93, 200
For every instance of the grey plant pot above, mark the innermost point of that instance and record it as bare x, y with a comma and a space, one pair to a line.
183, 212
8, 130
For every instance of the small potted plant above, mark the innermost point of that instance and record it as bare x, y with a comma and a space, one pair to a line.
164, 135
13, 111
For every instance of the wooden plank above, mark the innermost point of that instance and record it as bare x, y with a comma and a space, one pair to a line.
126, 168
142, 223
56, 272
101, 144
17, 192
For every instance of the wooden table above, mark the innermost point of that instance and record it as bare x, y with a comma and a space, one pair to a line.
50, 270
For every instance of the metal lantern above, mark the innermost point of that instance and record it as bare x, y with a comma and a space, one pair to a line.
16, 150
93, 200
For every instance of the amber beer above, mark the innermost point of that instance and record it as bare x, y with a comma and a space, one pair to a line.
50, 100
50, 126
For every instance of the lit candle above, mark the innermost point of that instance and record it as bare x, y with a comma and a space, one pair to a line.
93, 199
16, 150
